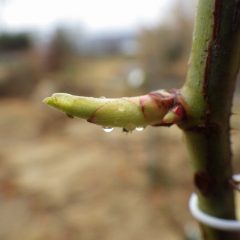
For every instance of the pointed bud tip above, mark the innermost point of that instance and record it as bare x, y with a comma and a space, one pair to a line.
53, 99
50, 101
47, 100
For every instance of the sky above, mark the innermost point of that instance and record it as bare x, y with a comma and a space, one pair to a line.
94, 15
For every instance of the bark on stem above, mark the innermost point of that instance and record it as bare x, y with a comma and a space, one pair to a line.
208, 91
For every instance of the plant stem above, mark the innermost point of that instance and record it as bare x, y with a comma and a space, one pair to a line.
208, 92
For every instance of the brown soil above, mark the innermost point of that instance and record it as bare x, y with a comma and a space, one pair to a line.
63, 178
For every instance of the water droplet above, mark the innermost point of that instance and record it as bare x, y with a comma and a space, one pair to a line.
107, 129
139, 129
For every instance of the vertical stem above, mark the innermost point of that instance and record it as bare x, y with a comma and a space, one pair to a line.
208, 92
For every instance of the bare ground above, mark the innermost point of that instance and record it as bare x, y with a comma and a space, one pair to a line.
63, 178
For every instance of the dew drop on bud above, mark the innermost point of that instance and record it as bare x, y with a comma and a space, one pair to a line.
139, 129
107, 129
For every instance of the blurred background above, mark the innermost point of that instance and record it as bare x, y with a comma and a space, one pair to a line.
65, 179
